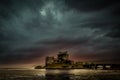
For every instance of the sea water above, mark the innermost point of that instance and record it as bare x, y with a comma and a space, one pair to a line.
73, 74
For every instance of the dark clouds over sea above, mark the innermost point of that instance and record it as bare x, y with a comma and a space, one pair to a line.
32, 29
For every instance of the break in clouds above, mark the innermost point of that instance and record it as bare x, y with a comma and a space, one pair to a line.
32, 29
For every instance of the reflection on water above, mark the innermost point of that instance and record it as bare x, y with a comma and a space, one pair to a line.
57, 77
82, 74
74, 74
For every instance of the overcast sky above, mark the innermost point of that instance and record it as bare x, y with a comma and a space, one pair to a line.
33, 29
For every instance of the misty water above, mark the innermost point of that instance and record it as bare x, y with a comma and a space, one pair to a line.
73, 74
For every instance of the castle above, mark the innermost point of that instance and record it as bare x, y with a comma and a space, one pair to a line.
62, 61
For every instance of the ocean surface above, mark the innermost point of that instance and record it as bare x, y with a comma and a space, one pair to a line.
73, 74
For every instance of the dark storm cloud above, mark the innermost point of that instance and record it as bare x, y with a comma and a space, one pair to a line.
90, 5
109, 12
31, 29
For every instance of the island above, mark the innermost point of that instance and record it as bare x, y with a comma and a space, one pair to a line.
63, 62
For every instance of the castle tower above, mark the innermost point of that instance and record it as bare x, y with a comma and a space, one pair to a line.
63, 56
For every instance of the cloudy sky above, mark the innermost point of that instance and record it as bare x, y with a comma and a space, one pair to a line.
33, 29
